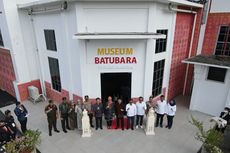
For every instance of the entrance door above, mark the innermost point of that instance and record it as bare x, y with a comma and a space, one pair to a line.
116, 85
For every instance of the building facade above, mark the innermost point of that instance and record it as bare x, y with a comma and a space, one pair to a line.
118, 48
211, 89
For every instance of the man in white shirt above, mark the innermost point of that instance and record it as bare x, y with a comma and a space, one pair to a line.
131, 112
160, 110
141, 108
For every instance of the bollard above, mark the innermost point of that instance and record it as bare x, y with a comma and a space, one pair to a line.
150, 124
86, 130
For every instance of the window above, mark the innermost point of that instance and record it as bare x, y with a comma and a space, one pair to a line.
223, 42
50, 40
216, 74
158, 74
54, 73
1, 40
161, 43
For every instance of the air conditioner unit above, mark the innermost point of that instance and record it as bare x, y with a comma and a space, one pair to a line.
33, 92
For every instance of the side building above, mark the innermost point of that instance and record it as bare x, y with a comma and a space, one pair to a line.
211, 89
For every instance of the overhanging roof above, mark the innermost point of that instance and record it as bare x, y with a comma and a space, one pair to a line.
40, 3
214, 61
119, 35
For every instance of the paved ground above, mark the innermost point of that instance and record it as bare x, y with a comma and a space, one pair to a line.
180, 139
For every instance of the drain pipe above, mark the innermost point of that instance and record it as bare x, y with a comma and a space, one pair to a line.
171, 8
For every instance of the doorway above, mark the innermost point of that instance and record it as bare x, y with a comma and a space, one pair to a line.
117, 85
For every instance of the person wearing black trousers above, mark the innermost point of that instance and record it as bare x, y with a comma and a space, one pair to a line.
160, 110
21, 113
119, 111
98, 112
51, 112
131, 113
171, 111
64, 109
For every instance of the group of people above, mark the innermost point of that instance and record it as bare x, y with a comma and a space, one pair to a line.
8, 128
71, 113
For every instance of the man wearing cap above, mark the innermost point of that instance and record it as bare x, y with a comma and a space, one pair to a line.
52, 114
22, 114
131, 112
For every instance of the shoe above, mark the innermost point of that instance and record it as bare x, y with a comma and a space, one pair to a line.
96, 128
132, 129
116, 128
127, 128
141, 127
101, 128
92, 126
68, 128
136, 126
167, 126
161, 126
57, 131
156, 126
65, 131
122, 129
50, 134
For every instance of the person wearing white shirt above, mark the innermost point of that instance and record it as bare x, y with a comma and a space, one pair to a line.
131, 112
160, 110
141, 108
171, 111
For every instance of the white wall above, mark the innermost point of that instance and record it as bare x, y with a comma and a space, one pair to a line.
209, 96
18, 51
220, 6
92, 79
141, 17
64, 24
4, 28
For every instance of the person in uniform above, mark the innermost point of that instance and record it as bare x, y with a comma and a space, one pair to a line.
52, 114
109, 112
88, 105
119, 111
22, 114
98, 112
64, 111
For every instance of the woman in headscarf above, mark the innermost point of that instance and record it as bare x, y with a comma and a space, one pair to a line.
171, 111
109, 112
78, 111
72, 116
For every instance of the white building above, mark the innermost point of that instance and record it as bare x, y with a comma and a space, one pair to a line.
121, 48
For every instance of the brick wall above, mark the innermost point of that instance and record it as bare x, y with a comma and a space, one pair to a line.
23, 88
182, 37
212, 30
7, 74
55, 95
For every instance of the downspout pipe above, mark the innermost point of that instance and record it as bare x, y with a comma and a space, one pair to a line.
171, 8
